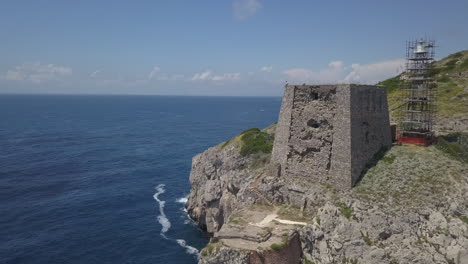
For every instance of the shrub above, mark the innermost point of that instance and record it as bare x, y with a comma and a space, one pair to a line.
392, 84
464, 64
389, 159
464, 219
254, 140
275, 246
450, 65
444, 79
455, 145
345, 210
366, 238
456, 55
283, 244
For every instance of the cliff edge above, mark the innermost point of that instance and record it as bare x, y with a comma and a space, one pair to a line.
408, 204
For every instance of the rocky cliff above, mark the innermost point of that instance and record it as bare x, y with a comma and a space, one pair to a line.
411, 206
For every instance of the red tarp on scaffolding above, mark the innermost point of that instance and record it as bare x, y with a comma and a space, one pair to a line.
416, 141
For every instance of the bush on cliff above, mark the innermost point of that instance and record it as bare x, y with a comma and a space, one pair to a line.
254, 140
454, 144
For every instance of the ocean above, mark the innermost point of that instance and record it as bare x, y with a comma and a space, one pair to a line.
104, 179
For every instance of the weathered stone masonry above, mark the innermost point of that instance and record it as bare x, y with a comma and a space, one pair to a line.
328, 133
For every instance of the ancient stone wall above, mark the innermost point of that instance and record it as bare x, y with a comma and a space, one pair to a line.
328, 133
369, 126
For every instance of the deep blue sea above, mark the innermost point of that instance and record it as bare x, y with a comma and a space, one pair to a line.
102, 179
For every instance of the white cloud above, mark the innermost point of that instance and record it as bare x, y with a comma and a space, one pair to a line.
153, 72
337, 72
94, 73
375, 72
335, 64
331, 74
209, 76
266, 68
244, 9
36, 72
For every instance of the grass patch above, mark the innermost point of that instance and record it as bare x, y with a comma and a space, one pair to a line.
450, 65
464, 219
275, 246
237, 219
444, 79
308, 261
345, 210
464, 64
456, 55
366, 238
455, 145
284, 243
225, 143
389, 159
254, 141
210, 248
392, 84
292, 213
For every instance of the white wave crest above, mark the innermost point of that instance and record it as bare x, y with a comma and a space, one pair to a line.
162, 219
166, 224
189, 249
182, 200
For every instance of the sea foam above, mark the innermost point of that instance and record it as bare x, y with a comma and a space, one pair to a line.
182, 200
162, 219
189, 249
166, 224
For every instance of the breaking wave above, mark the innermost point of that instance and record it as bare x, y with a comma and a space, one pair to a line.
182, 200
189, 249
166, 224
162, 219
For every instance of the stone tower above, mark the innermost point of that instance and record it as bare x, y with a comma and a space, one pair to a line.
328, 133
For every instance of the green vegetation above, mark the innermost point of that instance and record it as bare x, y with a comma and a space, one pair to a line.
284, 243
225, 143
210, 248
237, 219
455, 145
389, 159
366, 238
451, 83
392, 84
307, 261
254, 141
444, 79
345, 210
420, 176
464, 219
293, 213
275, 246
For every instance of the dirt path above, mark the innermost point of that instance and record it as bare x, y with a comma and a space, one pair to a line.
274, 217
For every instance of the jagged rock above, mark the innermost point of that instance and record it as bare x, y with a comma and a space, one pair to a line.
409, 208
226, 255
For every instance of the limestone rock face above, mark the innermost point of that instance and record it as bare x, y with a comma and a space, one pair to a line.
411, 206
217, 176
227, 256
220, 179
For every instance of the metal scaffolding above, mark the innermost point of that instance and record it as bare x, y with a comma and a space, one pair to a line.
419, 94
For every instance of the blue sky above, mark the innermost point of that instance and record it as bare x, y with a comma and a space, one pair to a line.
213, 47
